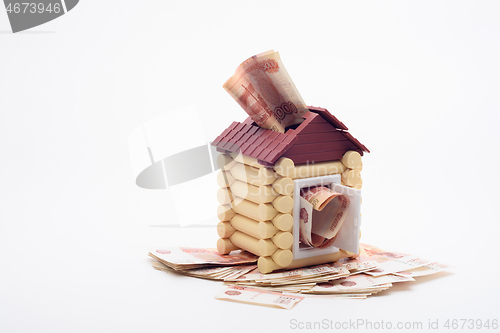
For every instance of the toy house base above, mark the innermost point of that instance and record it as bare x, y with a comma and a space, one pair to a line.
261, 175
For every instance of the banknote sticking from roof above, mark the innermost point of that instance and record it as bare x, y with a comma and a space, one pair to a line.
262, 175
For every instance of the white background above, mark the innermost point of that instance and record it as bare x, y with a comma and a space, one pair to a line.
416, 82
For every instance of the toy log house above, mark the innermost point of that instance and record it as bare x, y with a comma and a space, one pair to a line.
262, 172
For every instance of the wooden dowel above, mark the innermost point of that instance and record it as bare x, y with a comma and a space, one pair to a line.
224, 196
283, 239
351, 177
352, 160
266, 247
267, 229
246, 208
257, 229
282, 257
245, 242
256, 194
267, 265
266, 211
284, 185
246, 225
283, 203
312, 170
224, 179
225, 229
283, 222
224, 246
284, 166
225, 212
254, 176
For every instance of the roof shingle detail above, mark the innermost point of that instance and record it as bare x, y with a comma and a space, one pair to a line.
250, 140
320, 137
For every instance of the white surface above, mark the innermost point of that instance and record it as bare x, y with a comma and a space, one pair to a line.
416, 82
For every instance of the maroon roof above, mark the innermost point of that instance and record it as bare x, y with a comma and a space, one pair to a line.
320, 137
329, 117
263, 144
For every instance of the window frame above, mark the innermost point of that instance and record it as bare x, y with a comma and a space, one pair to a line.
348, 236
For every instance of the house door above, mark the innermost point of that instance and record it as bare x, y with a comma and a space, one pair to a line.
348, 235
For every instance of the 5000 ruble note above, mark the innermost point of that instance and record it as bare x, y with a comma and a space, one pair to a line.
263, 88
320, 224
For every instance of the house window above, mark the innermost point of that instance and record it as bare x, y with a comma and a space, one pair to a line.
348, 235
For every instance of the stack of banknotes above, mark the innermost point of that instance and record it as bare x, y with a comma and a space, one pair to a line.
373, 271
